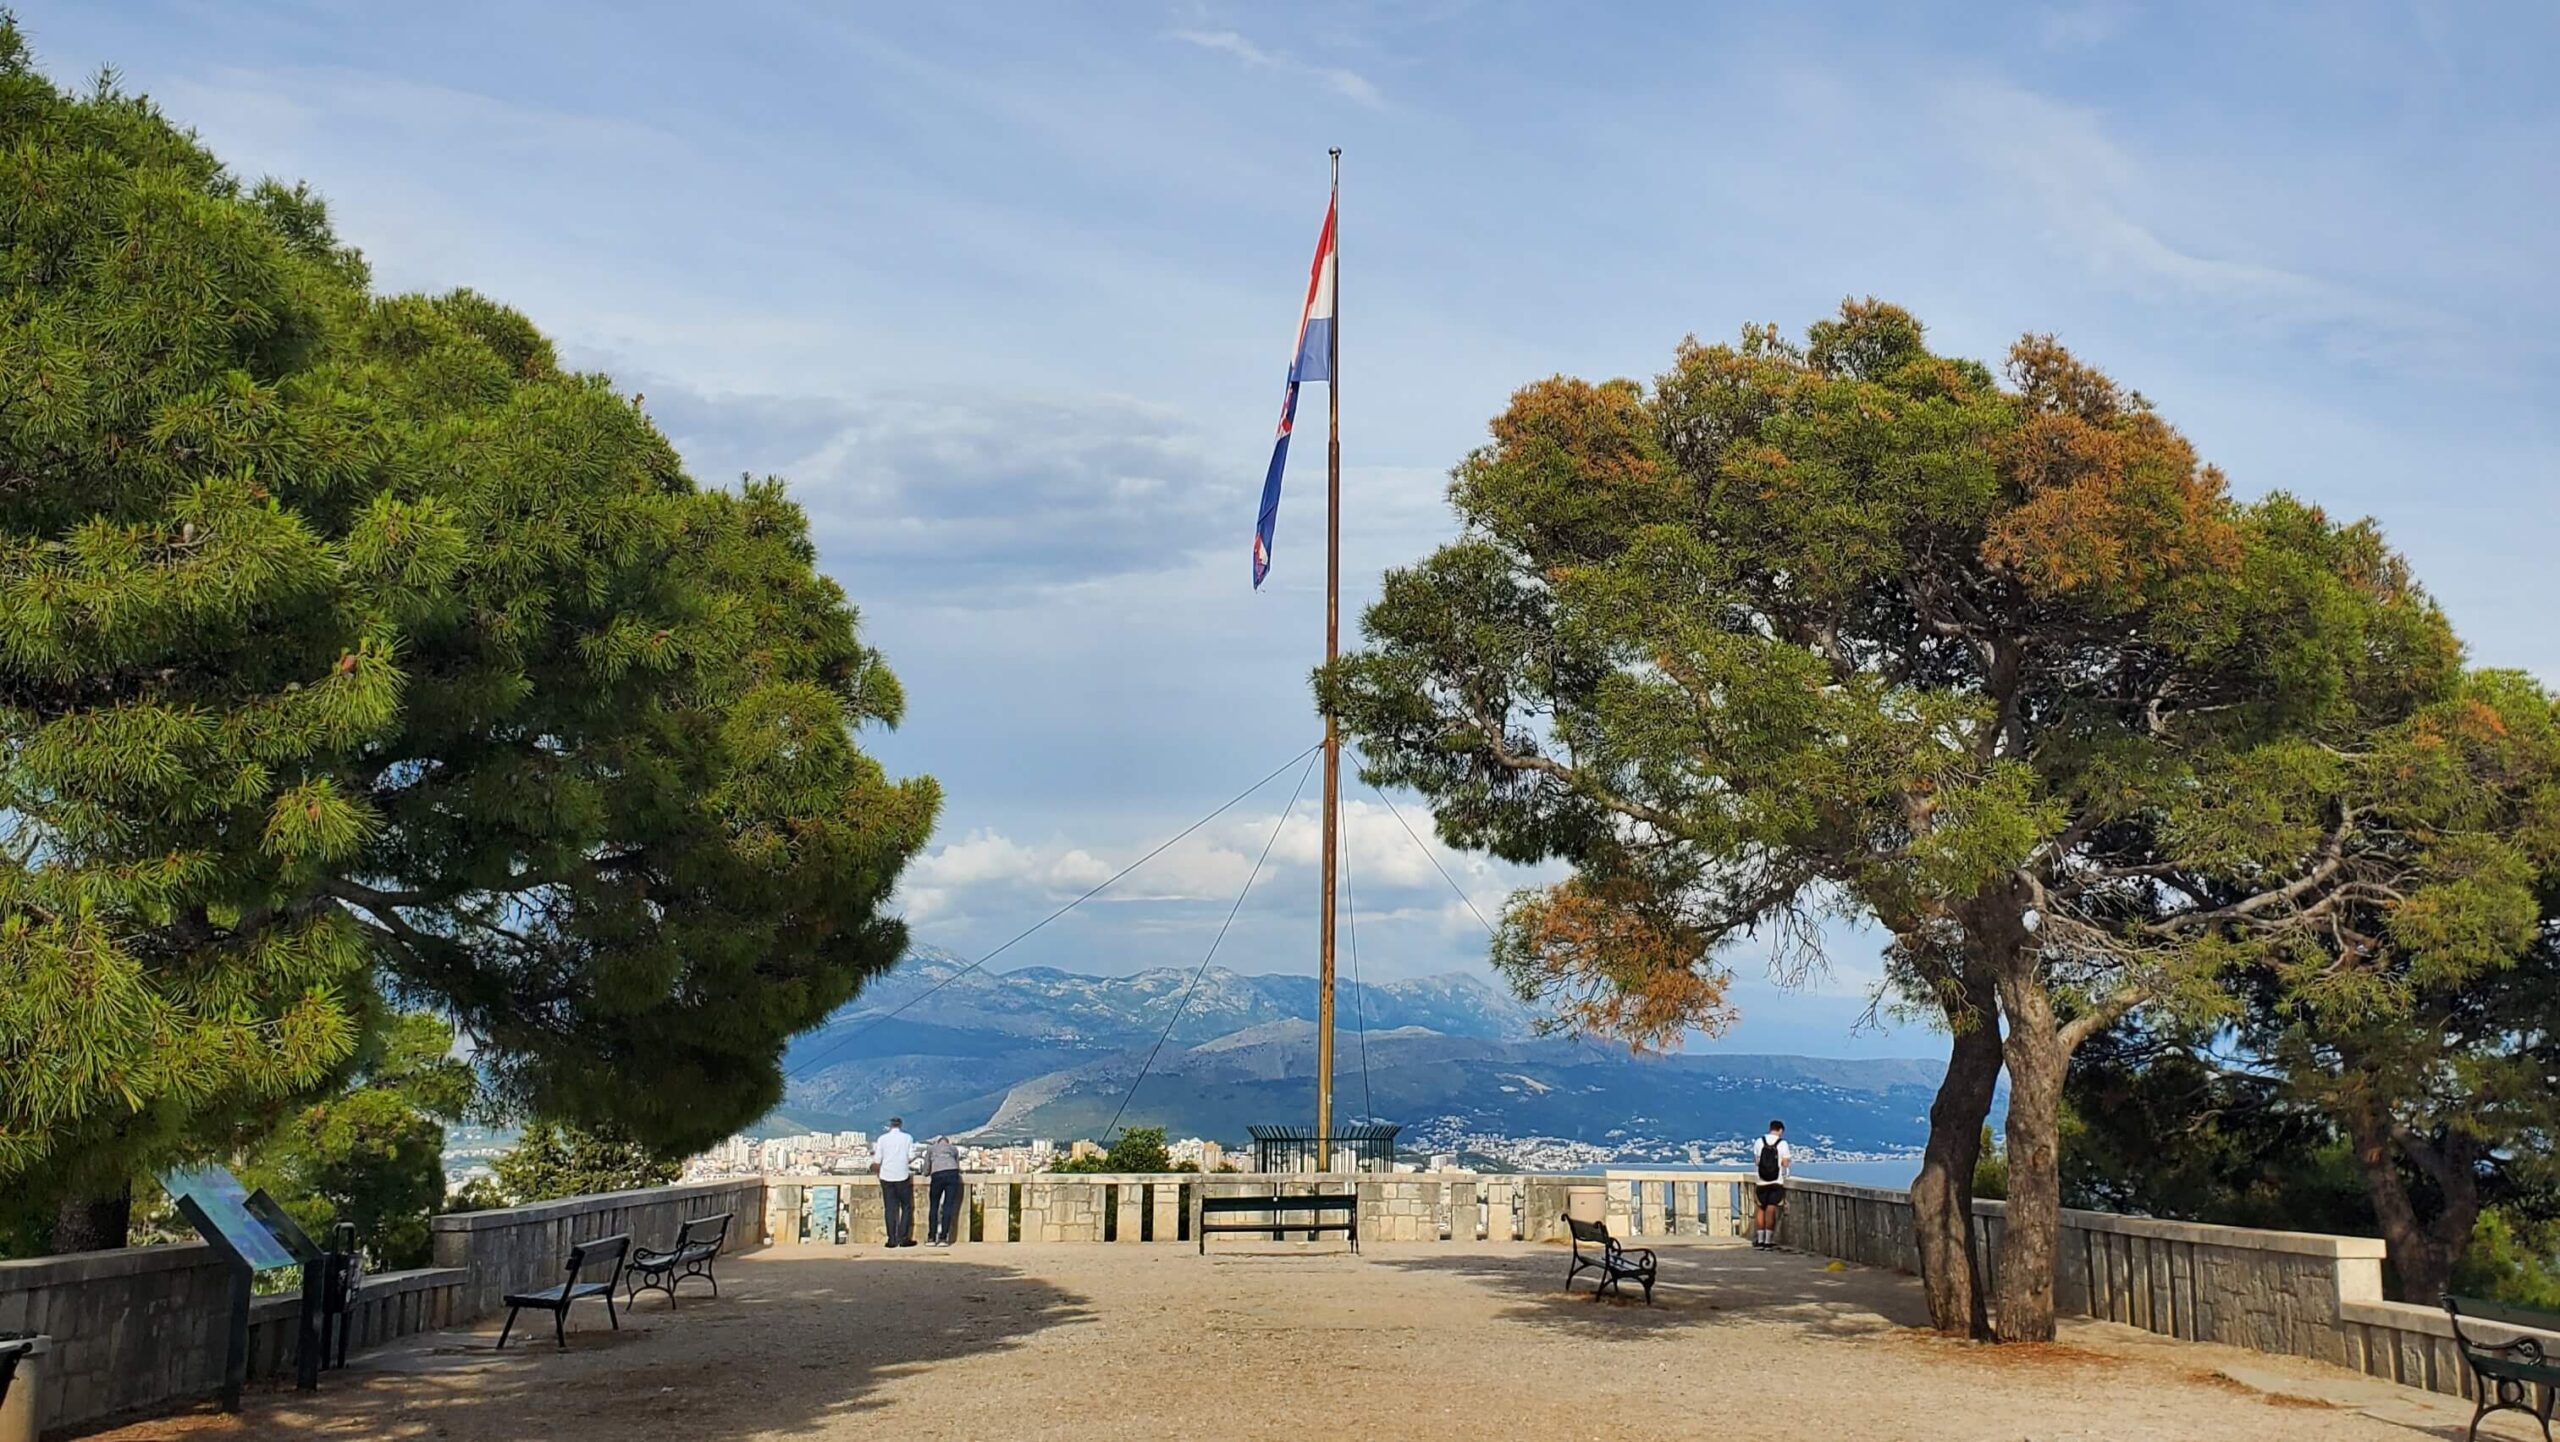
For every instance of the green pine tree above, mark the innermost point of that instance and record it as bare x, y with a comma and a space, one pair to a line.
1849, 627
349, 645
371, 1153
554, 1160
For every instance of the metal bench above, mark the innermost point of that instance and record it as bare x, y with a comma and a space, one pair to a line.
603, 1254
1347, 1203
13, 1346
2505, 1375
1614, 1263
655, 1269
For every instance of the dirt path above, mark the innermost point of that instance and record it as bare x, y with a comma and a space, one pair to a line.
1107, 1342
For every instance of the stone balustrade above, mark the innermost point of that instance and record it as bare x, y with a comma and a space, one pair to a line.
1456, 1206
2303, 1294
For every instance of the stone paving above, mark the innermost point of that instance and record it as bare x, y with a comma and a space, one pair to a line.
1090, 1341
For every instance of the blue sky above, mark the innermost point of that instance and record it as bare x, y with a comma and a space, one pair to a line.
1007, 292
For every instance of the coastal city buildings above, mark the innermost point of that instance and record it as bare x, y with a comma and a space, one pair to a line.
1444, 1145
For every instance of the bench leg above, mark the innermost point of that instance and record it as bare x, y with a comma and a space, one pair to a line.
503, 1331
2502, 1395
616, 1318
560, 1327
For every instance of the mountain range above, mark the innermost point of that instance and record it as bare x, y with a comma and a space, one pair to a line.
1457, 1062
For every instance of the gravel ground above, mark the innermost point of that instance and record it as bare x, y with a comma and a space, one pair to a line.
1106, 1341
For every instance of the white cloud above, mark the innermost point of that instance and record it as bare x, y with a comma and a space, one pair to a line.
1349, 84
1388, 876
985, 859
2082, 26
2161, 229
946, 494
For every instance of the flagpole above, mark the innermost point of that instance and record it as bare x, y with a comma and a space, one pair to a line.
1332, 650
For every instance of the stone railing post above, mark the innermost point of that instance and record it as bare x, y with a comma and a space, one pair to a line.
1463, 1221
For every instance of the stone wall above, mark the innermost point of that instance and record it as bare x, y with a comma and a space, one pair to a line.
2304, 1294
142, 1327
513, 1249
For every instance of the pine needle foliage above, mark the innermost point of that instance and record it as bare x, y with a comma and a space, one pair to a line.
351, 647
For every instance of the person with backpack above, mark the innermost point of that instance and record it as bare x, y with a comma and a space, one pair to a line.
1771, 1159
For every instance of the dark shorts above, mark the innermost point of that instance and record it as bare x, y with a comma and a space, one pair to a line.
1772, 1193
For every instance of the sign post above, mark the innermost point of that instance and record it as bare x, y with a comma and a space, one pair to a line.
307, 1349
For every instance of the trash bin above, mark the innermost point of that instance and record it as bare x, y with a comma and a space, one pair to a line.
1586, 1204
21, 1379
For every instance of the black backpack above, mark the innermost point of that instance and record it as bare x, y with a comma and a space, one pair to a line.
1768, 1160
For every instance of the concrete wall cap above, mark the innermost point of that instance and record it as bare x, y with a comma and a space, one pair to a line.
586, 1205
276, 1305
72, 1268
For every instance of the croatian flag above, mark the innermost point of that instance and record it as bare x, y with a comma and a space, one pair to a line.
1313, 362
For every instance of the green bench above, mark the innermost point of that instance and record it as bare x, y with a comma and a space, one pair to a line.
2505, 1375
1315, 1207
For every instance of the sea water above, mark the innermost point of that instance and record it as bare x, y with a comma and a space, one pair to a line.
1895, 1172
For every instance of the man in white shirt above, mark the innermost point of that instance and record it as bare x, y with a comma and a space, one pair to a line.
1771, 1160
893, 1156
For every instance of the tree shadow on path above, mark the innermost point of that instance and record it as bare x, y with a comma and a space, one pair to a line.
798, 1344
1698, 1286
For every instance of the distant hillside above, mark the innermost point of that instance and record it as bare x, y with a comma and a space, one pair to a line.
1043, 1052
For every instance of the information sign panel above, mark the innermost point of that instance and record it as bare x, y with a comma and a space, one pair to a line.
224, 1206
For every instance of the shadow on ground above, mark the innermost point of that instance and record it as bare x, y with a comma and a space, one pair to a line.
793, 1347
1698, 1286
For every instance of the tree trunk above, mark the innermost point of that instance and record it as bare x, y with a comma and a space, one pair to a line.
1942, 1195
93, 1224
2031, 1236
2422, 1253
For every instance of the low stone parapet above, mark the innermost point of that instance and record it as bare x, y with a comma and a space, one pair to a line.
137, 1329
513, 1249
2302, 1294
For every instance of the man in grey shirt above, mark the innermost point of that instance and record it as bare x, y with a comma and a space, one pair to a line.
942, 1192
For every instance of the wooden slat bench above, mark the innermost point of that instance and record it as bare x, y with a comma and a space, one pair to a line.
1316, 1207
